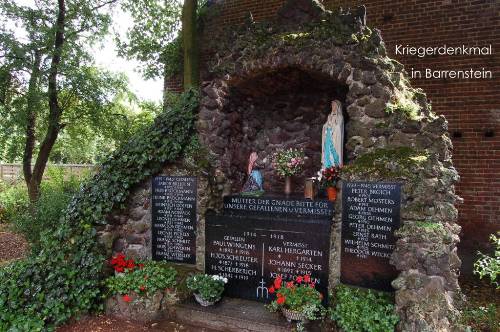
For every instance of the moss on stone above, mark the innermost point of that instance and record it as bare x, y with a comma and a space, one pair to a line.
388, 163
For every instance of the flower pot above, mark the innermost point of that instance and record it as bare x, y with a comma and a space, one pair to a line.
291, 315
288, 185
203, 302
332, 193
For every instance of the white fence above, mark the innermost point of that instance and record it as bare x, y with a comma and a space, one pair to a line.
14, 172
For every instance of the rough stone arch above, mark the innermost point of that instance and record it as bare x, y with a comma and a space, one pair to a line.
391, 134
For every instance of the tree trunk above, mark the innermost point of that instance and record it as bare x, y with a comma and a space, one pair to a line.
189, 29
31, 109
55, 110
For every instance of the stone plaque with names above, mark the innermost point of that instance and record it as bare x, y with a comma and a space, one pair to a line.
174, 218
252, 250
370, 215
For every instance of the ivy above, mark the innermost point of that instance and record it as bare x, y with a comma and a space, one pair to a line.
64, 277
360, 310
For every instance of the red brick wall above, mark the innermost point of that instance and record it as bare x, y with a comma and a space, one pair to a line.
472, 107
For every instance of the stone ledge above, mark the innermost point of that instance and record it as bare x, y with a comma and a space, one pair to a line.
232, 315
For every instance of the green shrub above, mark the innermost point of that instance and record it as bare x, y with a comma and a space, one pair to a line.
482, 318
64, 278
146, 279
55, 193
489, 266
363, 310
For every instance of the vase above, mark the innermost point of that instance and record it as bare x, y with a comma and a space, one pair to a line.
288, 185
202, 302
332, 193
292, 315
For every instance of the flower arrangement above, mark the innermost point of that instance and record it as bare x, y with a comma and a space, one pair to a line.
298, 296
206, 287
328, 177
144, 280
289, 162
121, 264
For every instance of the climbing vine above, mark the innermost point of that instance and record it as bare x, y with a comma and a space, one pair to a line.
64, 277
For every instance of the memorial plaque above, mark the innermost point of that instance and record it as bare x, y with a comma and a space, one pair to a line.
370, 215
278, 207
174, 218
251, 251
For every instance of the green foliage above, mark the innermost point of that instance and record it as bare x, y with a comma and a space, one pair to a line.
389, 163
32, 221
149, 279
489, 266
60, 281
139, 158
64, 278
210, 287
481, 318
152, 37
358, 310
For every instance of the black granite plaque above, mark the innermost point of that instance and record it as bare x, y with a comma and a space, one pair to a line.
370, 214
252, 251
278, 207
174, 218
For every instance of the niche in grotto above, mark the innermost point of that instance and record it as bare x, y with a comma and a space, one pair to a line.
273, 111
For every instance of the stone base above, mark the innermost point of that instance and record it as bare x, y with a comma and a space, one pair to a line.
231, 314
141, 308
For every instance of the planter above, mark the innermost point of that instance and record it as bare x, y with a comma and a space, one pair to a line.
332, 193
291, 315
140, 307
288, 185
203, 302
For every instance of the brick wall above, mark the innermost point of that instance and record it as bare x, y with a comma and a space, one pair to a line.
472, 107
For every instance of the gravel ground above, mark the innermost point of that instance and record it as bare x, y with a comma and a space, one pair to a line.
112, 324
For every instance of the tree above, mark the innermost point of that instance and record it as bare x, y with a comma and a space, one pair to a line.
189, 36
53, 51
154, 39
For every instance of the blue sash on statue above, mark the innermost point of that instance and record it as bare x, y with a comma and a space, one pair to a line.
330, 157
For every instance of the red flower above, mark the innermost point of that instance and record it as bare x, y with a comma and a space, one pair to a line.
271, 290
307, 278
289, 284
312, 285
277, 283
126, 298
141, 265
281, 300
299, 279
119, 269
142, 288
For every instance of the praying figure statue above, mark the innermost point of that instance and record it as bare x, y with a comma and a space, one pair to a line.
254, 183
333, 137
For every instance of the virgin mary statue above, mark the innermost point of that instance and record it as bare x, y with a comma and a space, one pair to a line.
333, 137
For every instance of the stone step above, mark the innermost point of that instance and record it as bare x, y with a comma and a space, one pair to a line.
232, 315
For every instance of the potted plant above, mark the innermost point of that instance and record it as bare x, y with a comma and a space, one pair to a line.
207, 289
298, 300
142, 293
328, 178
288, 163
